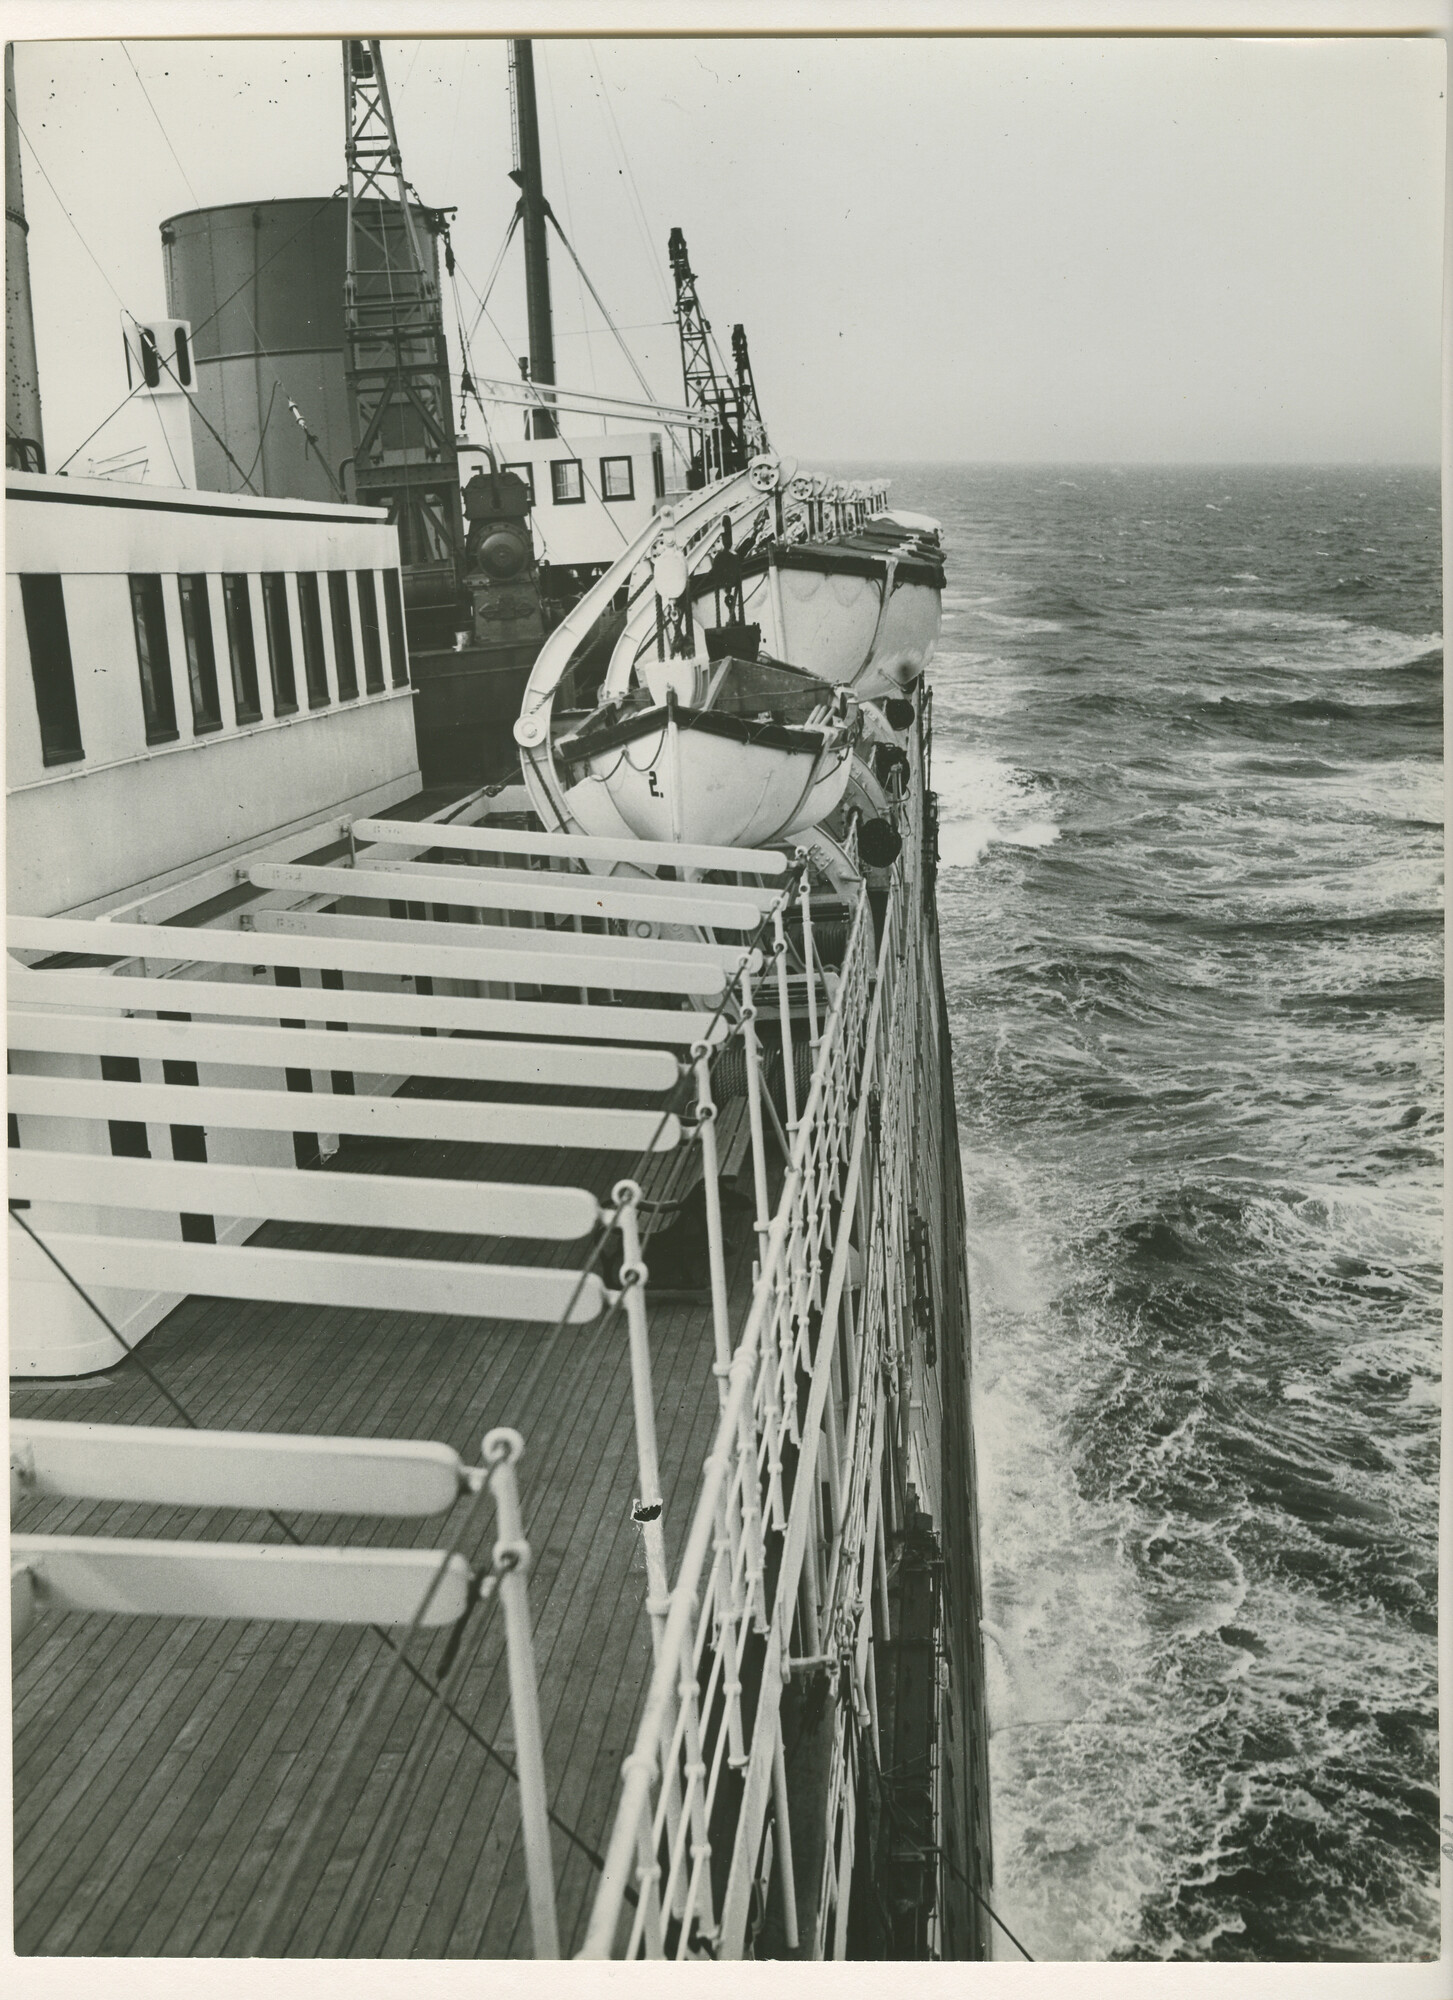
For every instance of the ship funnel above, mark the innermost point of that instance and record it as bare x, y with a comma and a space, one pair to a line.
159, 367
24, 443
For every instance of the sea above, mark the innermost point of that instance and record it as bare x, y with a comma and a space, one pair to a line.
1187, 745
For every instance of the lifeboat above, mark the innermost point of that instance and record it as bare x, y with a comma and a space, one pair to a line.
764, 752
698, 733
863, 607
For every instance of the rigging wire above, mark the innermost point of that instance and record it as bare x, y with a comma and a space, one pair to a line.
639, 209
494, 271
134, 390
650, 393
40, 163
80, 236
201, 416
106, 279
310, 440
159, 125
569, 217
666, 424
374, 1857
272, 256
542, 402
985, 1903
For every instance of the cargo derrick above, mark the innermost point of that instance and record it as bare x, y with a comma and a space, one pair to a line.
395, 359
471, 594
754, 431
736, 430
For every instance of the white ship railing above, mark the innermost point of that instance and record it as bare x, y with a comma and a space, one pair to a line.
825, 1311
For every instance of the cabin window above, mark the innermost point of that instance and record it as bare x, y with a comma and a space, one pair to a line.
150, 359
524, 470
658, 471
153, 657
50, 668
617, 479
368, 626
343, 653
393, 605
279, 643
184, 357
567, 482
201, 656
315, 660
241, 648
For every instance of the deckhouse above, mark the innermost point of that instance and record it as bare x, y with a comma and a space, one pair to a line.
190, 675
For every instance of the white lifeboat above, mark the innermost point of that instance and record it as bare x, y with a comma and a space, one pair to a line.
764, 753
864, 608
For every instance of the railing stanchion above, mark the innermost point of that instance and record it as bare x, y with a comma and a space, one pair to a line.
649, 1504
716, 1251
512, 1560
809, 961
754, 1107
784, 1007
783, 1818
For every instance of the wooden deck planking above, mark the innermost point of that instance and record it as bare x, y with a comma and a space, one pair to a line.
121, 1862
239, 1862
191, 1824
73, 1867
605, 1438
469, 1698
233, 1797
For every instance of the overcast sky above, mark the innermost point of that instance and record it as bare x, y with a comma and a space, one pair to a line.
955, 249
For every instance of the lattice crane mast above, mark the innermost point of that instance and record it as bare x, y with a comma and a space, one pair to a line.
754, 431
725, 446
396, 360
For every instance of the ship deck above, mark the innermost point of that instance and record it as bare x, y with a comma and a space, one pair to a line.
159, 1764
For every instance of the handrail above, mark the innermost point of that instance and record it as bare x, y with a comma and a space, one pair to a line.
692, 1721
644, 1762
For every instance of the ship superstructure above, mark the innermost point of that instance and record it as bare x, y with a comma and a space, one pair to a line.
495, 1472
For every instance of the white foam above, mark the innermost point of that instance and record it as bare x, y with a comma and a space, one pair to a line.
1334, 642
982, 803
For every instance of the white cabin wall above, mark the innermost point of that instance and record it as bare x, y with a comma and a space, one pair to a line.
184, 805
22, 727
52, 1330
593, 530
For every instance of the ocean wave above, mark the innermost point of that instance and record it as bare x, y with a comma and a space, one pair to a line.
1201, 1090
984, 802
1277, 718
1322, 640
1041, 607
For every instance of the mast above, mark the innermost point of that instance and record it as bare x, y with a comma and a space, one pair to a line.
24, 442
395, 357
533, 210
